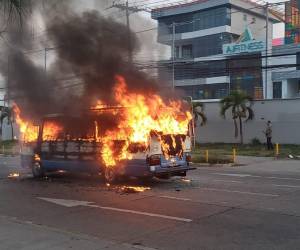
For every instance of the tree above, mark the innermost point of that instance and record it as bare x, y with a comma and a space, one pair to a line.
241, 108
13, 10
7, 113
197, 109
198, 113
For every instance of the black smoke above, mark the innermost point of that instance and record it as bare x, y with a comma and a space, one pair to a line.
90, 48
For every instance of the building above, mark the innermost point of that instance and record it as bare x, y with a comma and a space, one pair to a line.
286, 71
292, 21
219, 45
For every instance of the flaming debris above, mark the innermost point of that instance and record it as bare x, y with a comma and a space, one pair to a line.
13, 175
134, 189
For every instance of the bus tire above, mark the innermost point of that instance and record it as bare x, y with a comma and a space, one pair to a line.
37, 170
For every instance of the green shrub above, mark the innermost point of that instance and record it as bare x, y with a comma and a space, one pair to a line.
255, 142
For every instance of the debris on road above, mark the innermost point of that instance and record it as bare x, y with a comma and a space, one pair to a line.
13, 175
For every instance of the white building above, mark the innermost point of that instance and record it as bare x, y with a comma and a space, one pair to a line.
286, 72
205, 67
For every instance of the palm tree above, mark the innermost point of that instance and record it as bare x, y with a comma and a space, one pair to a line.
7, 112
198, 113
12, 10
241, 108
197, 109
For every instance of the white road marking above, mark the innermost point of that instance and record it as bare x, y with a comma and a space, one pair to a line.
67, 203
228, 181
74, 203
174, 198
138, 246
288, 186
239, 192
277, 178
258, 176
235, 175
147, 214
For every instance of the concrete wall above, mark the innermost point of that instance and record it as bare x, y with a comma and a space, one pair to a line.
284, 114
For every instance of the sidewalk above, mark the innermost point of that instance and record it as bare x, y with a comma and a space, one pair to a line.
16, 234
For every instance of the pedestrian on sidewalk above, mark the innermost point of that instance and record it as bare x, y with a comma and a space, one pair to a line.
268, 134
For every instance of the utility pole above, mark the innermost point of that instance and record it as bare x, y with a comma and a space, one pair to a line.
267, 47
173, 55
129, 10
8, 80
45, 58
128, 33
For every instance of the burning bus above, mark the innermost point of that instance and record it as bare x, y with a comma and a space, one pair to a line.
140, 136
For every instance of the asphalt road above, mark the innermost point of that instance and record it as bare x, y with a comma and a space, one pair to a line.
256, 206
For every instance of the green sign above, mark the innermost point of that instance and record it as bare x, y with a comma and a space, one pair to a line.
245, 44
245, 47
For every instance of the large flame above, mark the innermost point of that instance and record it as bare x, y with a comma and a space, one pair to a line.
29, 132
142, 115
139, 116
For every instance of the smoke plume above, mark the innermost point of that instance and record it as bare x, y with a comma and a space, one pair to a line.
90, 48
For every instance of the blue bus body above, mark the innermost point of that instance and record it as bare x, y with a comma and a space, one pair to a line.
84, 156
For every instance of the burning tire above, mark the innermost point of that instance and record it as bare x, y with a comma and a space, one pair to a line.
110, 175
37, 170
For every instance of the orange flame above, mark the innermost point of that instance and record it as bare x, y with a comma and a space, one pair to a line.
51, 131
28, 131
140, 116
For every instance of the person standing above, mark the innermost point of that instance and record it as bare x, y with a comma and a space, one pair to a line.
268, 134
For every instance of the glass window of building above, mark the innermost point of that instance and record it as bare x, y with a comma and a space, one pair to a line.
196, 70
177, 50
246, 73
187, 51
210, 45
199, 20
298, 60
277, 90
206, 91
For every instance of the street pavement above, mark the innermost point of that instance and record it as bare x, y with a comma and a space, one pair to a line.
252, 206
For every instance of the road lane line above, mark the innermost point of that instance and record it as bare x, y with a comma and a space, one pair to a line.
289, 186
277, 178
138, 246
75, 203
235, 175
258, 176
145, 213
228, 181
174, 198
239, 192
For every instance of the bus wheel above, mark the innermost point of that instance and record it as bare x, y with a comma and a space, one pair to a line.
110, 175
37, 170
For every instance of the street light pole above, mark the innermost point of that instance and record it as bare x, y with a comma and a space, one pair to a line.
266, 52
45, 58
